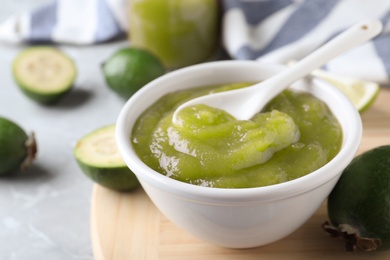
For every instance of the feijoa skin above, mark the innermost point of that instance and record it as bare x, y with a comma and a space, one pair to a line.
129, 69
98, 157
359, 205
44, 74
17, 149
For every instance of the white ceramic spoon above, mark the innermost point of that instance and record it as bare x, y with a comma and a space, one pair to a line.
246, 102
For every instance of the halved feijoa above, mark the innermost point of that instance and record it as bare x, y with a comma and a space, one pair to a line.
17, 149
44, 73
98, 157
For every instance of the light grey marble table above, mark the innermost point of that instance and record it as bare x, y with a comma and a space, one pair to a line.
44, 212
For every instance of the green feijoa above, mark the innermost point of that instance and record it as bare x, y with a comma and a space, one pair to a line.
359, 205
98, 157
45, 74
129, 69
17, 149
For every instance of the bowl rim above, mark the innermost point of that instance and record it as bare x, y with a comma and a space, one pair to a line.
230, 196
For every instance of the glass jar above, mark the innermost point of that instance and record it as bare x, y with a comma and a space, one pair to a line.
179, 32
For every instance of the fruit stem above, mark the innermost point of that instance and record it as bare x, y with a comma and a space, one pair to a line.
31, 146
351, 236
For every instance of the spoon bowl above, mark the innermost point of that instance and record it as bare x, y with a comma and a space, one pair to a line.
246, 102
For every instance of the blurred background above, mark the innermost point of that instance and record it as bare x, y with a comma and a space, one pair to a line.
44, 212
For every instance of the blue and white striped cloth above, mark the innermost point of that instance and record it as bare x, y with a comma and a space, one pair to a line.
274, 31
278, 31
78, 22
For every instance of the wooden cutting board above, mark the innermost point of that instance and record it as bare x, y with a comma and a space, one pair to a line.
128, 226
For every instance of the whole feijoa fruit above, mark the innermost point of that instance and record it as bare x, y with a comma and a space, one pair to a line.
129, 69
17, 149
359, 204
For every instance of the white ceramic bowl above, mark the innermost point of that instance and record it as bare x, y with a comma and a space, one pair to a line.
237, 218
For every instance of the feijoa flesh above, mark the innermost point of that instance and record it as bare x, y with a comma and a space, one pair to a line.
98, 157
45, 74
359, 205
17, 149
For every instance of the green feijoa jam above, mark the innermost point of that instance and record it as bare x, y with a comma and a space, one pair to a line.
294, 135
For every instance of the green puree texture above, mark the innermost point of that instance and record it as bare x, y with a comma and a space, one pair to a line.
294, 135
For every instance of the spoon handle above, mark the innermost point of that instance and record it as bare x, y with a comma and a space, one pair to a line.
246, 102
352, 37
